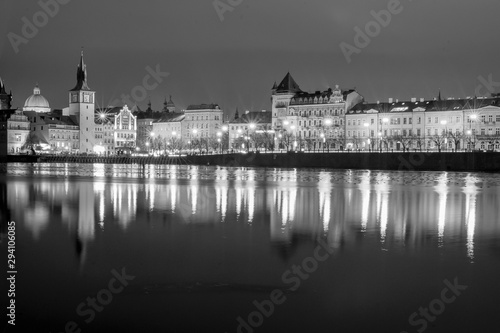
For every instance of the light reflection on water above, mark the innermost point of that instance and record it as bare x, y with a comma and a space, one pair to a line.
163, 213
398, 208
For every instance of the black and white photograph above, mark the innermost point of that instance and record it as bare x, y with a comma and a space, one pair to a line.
250, 166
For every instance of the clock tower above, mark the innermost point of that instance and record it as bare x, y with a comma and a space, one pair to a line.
82, 105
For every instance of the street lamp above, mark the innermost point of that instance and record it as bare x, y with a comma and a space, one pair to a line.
294, 136
443, 123
252, 127
219, 135
384, 120
328, 123
473, 118
366, 125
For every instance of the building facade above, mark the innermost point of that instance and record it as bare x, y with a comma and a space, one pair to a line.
251, 130
201, 121
18, 130
310, 121
452, 124
125, 131
53, 132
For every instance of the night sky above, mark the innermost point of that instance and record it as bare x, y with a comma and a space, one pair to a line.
429, 45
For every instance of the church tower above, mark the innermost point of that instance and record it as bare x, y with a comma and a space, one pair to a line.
82, 105
5, 99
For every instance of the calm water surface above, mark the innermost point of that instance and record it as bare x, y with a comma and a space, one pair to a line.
205, 243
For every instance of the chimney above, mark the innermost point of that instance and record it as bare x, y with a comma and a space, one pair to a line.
378, 102
413, 99
390, 100
421, 99
397, 100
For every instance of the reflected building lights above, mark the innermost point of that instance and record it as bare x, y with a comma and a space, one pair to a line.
239, 197
470, 191
173, 197
251, 203
384, 216
442, 190
325, 190
338, 211
364, 187
194, 198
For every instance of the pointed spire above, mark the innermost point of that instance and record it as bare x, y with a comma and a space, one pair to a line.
288, 85
81, 76
237, 114
165, 105
2, 87
439, 96
274, 86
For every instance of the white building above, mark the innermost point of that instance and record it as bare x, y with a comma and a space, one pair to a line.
452, 124
18, 130
310, 120
125, 131
201, 122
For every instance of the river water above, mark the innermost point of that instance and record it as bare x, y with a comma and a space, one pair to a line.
188, 249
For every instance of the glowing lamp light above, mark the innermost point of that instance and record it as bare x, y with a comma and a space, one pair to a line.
99, 149
225, 128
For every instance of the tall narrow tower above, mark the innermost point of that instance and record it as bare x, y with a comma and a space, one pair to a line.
82, 105
5, 99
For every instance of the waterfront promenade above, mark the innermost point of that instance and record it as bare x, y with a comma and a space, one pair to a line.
420, 161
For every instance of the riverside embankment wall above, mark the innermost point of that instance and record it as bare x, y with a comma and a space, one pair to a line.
445, 161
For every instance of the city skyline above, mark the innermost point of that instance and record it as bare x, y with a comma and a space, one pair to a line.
234, 61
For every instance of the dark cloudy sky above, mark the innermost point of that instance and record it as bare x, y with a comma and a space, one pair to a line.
431, 44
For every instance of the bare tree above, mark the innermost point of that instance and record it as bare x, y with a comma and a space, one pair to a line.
406, 141
287, 139
456, 137
176, 143
439, 140
419, 141
355, 140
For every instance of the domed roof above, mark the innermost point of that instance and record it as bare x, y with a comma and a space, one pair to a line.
36, 101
